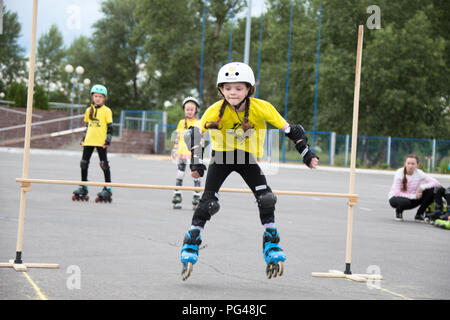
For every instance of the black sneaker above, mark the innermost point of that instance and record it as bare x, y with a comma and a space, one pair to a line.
418, 218
399, 216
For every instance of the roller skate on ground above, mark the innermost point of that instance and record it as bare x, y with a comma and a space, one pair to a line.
189, 252
444, 224
80, 194
436, 211
177, 198
432, 216
195, 200
273, 254
104, 196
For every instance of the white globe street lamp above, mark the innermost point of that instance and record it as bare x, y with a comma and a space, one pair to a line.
79, 70
68, 68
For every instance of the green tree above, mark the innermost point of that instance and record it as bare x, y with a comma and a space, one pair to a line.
302, 59
117, 46
17, 92
174, 42
50, 52
81, 52
403, 70
40, 98
11, 53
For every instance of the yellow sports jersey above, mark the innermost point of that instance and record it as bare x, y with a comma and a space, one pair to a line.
231, 136
183, 151
97, 128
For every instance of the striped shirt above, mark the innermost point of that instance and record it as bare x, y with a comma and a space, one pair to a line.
414, 181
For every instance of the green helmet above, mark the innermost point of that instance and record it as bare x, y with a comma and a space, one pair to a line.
98, 88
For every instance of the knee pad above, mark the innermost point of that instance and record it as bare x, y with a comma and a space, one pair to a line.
104, 165
266, 204
84, 164
267, 200
208, 206
182, 166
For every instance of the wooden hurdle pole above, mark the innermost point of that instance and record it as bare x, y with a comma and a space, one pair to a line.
17, 263
25, 182
347, 274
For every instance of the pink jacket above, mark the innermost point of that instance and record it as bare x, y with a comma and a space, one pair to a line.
418, 179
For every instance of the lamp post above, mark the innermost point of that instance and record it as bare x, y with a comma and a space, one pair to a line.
87, 82
69, 69
79, 70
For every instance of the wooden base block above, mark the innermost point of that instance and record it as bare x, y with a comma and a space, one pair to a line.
359, 277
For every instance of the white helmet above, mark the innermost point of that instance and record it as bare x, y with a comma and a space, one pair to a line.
236, 72
186, 100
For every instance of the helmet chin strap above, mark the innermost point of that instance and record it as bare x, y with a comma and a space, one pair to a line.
238, 106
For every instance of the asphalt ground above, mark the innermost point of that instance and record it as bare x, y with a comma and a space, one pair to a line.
129, 249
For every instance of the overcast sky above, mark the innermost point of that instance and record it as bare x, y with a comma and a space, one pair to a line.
73, 17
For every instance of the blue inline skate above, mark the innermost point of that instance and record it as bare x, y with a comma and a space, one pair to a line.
105, 195
81, 194
189, 252
273, 254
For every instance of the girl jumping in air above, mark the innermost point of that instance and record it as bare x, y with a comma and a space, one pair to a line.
190, 107
237, 125
98, 135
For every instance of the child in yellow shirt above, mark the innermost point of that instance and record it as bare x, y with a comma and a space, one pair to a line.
237, 125
98, 135
190, 107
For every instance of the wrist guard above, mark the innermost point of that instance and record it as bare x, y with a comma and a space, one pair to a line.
199, 167
109, 134
297, 133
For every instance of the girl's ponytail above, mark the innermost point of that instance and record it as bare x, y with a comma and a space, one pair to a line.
216, 124
404, 180
91, 112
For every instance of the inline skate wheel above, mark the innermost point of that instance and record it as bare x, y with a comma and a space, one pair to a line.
186, 271
274, 269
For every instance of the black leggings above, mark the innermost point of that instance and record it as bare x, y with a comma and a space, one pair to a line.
102, 154
222, 164
400, 204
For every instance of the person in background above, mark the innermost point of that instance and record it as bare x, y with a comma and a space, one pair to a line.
190, 107
411, 188
98, 135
